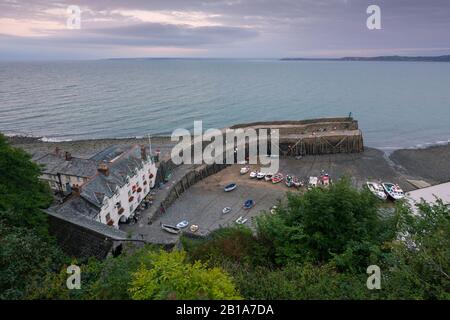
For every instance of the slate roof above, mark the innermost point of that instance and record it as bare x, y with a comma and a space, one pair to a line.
125, 162
79, 167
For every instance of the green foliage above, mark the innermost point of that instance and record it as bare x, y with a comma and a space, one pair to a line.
421, 262
325, 223
27, 251
170, 276
301, 282
231, 244
22, 193
25, 256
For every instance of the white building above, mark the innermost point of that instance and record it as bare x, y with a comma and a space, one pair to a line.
123, 178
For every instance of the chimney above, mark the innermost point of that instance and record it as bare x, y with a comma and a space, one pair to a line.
76, 189
103, 169
143, 153
68, 156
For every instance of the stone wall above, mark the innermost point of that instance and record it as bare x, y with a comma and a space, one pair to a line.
80, 242
180, 186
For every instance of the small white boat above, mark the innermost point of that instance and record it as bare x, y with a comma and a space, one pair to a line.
273, 210
241, 220
268, 177
260, 175
254, 174
170, 229
312, 182
376, 189
245, 169
182, 224
226, 210
393, 190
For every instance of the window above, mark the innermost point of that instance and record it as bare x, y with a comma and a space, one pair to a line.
108, 217
131, 208
118, 204
129, 193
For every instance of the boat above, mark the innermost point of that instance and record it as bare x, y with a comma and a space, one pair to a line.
254, 174
273, 210
170, 229
194, 228
260, 175
325, 180
245, 169
376, 189
182, 224
277, 178
297, 183
241, 220
312, 182
393, 190
230, 187
268, 177
226, 210
288, 181
248, 204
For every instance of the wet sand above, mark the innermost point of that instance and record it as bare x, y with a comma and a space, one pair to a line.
432, 163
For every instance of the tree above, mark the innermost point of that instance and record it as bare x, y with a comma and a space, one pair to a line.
27, 252
23, 194
325, 223
170, 276
420, 265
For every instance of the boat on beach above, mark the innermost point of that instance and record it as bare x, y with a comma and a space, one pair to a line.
260, 175
312, 182
248, 204
325, 180
226, 210
376, 189
254, 174
297, 183
170, 229
268, 177
288, 181
277, 178
393, 190
230, 187
182, 224
245, 169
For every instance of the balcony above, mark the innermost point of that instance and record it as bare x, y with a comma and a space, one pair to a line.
130, 199
139, 189
121, 210
110, 222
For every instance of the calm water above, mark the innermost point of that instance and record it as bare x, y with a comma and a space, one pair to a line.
398, 104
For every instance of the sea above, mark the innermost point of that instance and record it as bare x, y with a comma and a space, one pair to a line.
397, 104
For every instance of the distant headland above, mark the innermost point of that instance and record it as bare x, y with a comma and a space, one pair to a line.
445, 58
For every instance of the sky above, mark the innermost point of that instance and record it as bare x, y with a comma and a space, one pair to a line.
37, 30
